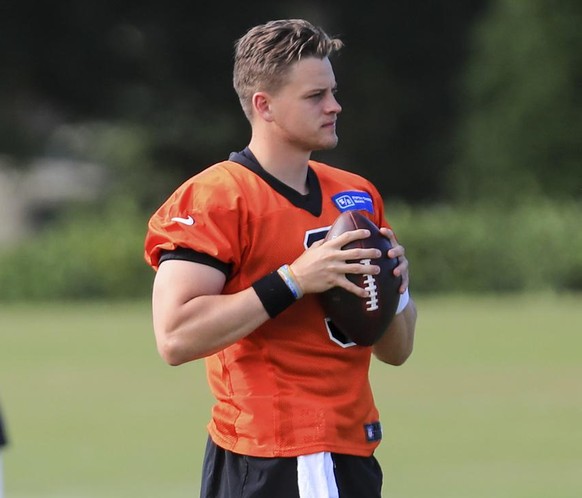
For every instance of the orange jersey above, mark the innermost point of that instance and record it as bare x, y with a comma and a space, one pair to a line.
294, 386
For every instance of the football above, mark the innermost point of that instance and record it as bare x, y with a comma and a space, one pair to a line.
363, 320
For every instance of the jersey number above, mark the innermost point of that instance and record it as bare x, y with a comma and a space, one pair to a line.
336, 335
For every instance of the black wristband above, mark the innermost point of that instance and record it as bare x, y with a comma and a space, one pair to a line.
274, 293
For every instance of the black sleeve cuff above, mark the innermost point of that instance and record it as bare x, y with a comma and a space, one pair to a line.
274, 294
186, 254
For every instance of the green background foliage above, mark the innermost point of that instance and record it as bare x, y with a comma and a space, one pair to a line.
489, 248
89, 255
484, 248
520, 125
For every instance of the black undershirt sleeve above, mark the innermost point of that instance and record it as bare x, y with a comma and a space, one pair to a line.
186, 254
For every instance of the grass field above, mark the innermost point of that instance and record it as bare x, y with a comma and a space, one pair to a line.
490, 404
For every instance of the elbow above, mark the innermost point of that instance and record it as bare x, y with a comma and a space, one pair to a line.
394, 358
175, 349
400, 360
403, 356
171, 351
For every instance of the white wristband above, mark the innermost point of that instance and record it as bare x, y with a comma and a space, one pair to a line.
404, 298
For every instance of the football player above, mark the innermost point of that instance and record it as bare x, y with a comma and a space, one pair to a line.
240, 260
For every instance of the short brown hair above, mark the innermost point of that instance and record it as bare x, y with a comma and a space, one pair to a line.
264, 55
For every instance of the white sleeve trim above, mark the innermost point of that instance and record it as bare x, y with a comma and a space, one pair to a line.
404, 298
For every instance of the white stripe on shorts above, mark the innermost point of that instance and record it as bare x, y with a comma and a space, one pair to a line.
315, 476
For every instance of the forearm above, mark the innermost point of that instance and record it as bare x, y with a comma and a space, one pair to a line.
205, 324
396, 345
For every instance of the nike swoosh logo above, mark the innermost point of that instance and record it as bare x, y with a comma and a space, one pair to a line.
186, 221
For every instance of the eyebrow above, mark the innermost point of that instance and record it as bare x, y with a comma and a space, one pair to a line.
321, 89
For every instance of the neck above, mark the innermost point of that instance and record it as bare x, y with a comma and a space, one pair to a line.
286, 163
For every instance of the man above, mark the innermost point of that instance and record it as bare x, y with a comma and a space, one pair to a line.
240, 260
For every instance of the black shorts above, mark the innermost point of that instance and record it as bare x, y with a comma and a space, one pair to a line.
230, 475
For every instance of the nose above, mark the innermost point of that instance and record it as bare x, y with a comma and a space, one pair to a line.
333, 105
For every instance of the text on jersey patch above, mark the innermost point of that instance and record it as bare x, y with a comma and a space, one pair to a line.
353, 200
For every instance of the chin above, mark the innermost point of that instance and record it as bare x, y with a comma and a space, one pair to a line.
330, 145
327, 144
319, 143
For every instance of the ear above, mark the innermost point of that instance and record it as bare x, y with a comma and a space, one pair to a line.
262, 106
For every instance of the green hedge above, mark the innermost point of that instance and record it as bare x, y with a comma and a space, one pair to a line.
530, 247
451, 249
84, 257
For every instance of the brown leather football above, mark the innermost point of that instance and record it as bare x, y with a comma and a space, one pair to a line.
364, 320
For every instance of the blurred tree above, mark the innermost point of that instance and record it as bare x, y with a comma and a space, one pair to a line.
397, 78
160, 73
522, 126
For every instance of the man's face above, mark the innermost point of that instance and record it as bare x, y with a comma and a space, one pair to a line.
305, 109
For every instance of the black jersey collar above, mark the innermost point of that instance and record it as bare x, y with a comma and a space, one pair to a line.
310, 202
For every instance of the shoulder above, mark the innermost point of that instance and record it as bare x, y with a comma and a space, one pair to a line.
202, 214
348, 190
218, 175
340, 178
326, 171
221, 183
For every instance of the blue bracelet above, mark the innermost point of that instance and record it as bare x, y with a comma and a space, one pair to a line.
291, 281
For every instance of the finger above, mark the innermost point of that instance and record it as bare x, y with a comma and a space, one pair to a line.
402, 271
344, 283
404, 284
347, 237
401, 268
359, 254
317, 243
389, 234
361, 269
396, 251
